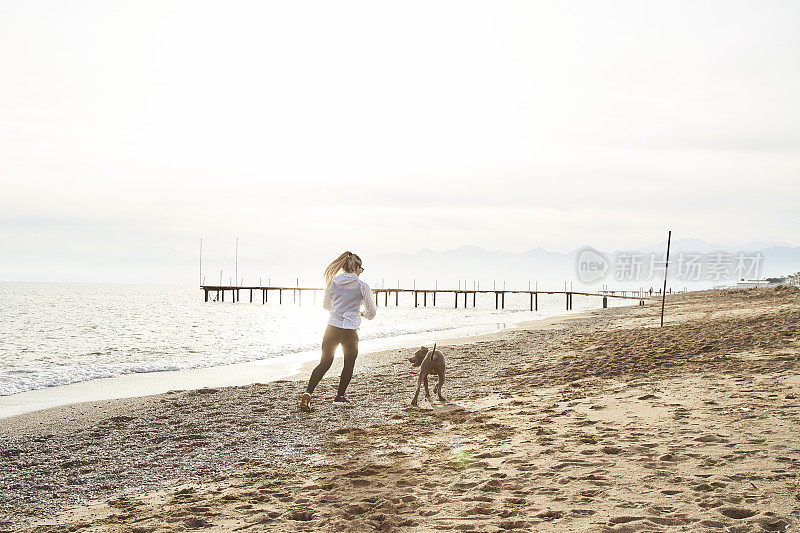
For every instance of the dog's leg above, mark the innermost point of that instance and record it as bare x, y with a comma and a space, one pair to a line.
424, 368
439, 386
427, 392
416, 395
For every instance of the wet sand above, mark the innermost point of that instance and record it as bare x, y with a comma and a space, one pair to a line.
603, 422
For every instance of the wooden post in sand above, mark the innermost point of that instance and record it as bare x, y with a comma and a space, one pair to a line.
664, 292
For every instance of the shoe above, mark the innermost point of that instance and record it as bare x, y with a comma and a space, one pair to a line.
305, 402
340, 400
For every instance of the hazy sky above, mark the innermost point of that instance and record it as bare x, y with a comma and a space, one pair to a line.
382, 127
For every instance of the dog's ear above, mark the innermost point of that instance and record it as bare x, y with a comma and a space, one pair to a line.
423, 348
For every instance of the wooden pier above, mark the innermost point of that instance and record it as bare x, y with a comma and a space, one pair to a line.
218, 292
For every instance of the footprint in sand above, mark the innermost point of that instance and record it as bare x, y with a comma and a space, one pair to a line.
480, 510
196, 523
611, 450
711, 438
738, 512
300, 515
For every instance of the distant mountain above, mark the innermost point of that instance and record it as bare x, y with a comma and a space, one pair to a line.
697, 245
780, 260
465, 266
473, 265
469, 266
761, 245
683, 244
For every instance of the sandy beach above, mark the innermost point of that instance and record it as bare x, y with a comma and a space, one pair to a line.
597, 422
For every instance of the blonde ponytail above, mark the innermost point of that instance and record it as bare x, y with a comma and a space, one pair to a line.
348, 262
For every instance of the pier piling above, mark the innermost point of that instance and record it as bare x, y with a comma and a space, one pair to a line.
499, 295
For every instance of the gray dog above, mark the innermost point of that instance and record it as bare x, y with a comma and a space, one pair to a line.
430, 362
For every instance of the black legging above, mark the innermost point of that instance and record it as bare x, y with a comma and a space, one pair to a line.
333, 337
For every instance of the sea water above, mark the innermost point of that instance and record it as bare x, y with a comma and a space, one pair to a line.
58, 334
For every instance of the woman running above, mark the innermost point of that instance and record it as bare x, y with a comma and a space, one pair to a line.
344, 295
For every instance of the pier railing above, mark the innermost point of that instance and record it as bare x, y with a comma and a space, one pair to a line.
217, 293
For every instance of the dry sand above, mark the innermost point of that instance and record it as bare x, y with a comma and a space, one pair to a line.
603, 423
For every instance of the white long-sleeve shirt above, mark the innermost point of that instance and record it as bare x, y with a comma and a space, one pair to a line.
343, 298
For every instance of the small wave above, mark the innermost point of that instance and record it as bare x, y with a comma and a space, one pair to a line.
39, 378
23, 379
123, 335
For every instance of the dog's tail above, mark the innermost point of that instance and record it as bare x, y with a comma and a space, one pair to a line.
433, 351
